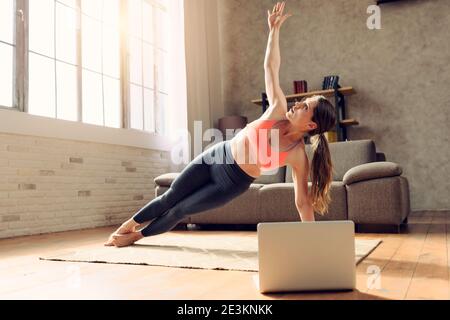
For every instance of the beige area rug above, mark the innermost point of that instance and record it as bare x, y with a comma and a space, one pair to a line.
206, 251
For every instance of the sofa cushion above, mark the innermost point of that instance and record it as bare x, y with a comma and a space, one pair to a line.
274, 176
277, 203
241, 210
166, 179
344, 156
374, 170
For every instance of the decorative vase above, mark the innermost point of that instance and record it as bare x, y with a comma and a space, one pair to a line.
232, 123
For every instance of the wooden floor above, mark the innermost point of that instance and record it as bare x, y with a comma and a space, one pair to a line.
410, 265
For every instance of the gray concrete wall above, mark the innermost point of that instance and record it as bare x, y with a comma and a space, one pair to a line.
401, 74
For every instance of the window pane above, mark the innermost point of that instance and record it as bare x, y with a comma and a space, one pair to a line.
67, 95
149, 66
136, 112
111, 13
92, 98
42, 25
136, 61
92, 44
6, 75
6, 20
92, 8
149, 113
163, 29
70, 3
160, 114
66, 34
162, 71
135, 17
41, 100
112, 102
148, 23
111, 51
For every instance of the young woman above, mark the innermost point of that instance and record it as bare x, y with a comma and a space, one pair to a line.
223, 172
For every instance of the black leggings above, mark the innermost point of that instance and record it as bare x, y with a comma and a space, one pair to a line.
211, 180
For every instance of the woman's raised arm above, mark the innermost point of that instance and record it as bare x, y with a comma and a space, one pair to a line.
275, 21
272, 61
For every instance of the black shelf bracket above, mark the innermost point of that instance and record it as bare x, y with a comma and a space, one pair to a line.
265, 102
332, 82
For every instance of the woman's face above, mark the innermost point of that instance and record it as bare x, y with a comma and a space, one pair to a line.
301, 114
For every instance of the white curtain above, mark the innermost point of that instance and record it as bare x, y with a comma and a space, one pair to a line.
176, 116
195, 83
204, 90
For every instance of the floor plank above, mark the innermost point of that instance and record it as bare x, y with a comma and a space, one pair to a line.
430, 279
395, 276
367, 270
412, 265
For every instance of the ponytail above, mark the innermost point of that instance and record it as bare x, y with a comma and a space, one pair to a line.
321, 174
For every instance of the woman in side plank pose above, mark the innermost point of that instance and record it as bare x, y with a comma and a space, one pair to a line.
224, 171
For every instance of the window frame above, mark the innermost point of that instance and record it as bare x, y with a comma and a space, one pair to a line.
21, 66
17, 67
157, 108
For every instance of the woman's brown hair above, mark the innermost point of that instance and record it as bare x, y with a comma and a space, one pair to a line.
322, 167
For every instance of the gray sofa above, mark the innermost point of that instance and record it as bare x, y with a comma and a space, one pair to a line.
366, 189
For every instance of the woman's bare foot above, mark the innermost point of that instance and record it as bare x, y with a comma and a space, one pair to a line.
128, 226
124, 240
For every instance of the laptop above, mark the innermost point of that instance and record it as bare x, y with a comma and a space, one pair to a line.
306, 256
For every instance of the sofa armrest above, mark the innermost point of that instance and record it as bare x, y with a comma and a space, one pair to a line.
166, 179
372, 170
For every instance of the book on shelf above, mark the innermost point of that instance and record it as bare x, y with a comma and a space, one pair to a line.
300, 86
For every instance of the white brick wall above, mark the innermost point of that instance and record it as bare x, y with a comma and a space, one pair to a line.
50, 185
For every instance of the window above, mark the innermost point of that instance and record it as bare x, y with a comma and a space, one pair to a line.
52, 60
86, 61
100, 27
147, 52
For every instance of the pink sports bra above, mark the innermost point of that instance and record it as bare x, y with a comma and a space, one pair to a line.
267, 157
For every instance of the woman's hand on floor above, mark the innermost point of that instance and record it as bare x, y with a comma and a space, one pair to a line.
276, 18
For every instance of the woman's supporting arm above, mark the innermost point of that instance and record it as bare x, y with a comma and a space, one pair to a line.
300, 172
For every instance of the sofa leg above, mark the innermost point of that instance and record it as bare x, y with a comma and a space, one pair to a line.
181, 226
227, 226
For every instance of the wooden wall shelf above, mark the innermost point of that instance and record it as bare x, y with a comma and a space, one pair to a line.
346, 91
349, 122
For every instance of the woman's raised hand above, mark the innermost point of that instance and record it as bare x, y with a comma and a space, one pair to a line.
276, 18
